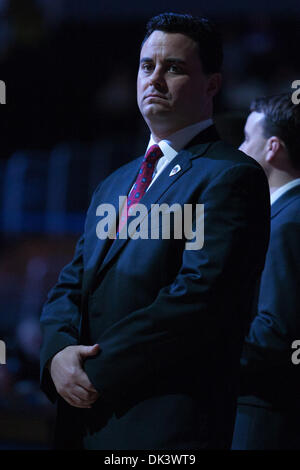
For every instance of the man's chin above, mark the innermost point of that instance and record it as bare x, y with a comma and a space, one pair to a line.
156, 111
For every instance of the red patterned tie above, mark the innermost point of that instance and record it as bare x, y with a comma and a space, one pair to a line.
142, 182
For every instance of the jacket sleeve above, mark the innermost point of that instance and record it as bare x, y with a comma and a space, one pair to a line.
187, 319
276, 323
60, 318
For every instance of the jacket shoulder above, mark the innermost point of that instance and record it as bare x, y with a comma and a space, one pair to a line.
223, 152
220, 158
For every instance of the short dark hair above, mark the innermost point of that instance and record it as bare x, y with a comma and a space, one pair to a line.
281, 119
201, 30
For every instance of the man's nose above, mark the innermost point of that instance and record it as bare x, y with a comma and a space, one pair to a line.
157, 79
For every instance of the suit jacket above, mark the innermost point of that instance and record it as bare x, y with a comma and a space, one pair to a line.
269, 378
169, 321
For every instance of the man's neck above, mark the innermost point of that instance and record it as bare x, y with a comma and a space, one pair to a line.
179, 139
161, 132
278, 178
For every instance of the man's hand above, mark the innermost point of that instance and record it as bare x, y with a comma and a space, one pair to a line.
69, 378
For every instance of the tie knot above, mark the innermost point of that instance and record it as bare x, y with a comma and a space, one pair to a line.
153, 153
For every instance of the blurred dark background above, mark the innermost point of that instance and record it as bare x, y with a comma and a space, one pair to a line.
69, 120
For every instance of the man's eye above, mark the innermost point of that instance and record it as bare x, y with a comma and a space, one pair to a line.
175, 69
147, 67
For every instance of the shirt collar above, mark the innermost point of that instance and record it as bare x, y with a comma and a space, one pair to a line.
177, 141
283, 189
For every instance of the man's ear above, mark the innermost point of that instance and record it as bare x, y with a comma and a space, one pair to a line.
273, 145
214, 84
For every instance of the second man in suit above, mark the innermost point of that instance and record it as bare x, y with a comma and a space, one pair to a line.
269, 406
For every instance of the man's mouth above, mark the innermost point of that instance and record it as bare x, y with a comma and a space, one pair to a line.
154, 95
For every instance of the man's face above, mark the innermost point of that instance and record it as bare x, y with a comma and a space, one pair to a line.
172, 90
254, 143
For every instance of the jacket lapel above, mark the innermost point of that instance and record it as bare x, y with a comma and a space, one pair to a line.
101, 247
197, 147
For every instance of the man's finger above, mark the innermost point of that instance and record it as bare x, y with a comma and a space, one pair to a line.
78, 398
86, 351
84, 395
74, 400
83, 380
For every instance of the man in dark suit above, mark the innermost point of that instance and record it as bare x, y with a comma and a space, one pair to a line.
269, 406
142, 335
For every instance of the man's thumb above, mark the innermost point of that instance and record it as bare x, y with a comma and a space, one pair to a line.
89, 350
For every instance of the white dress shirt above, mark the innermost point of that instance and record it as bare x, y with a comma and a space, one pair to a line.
174, 143
283, 189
